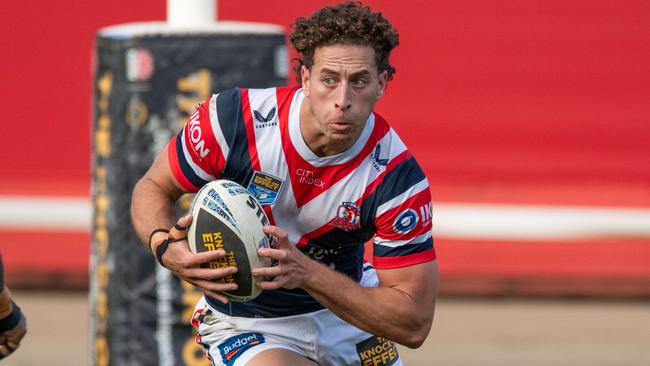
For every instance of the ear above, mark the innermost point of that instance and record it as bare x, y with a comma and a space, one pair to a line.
304, 76
383, 82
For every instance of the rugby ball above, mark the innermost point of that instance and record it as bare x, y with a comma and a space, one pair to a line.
226, 216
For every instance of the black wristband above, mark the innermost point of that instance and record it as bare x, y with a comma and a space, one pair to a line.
10, 321
160, 250
153, 233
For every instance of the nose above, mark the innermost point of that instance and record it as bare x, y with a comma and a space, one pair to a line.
343, 100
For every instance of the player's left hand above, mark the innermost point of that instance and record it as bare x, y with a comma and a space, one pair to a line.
293, 267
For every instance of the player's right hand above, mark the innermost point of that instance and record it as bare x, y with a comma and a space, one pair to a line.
10, 339
187, 265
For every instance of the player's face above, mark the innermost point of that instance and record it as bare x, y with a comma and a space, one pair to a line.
341, 90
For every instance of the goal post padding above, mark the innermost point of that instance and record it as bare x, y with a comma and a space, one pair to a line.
148, 79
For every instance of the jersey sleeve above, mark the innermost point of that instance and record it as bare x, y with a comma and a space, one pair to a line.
198, 153
404, 219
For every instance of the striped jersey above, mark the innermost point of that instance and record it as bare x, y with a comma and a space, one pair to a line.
329, 206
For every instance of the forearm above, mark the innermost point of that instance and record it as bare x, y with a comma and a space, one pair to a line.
383, 311
400, 309
152, 207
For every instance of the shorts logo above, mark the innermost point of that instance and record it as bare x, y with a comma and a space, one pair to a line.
377, 351
265, 121
405, 221
348, 217
233, 347
265, 188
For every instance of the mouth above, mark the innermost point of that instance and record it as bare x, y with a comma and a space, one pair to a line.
341, 125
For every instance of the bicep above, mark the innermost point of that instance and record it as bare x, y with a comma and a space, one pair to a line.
160, 174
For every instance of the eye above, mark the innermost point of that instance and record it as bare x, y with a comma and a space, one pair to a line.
359, 82
328, 80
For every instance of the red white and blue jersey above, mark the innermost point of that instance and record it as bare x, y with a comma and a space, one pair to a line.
329, 206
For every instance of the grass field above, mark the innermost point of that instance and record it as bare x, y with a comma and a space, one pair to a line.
476, 331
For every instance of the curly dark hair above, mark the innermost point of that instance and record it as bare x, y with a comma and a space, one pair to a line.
346, 23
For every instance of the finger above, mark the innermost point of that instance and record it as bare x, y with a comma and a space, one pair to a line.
4, 350
275, 231
215, 289
268, 271
215, 286
269, 285
209, 273
281, 235
185, 221
276, 254
181, 251
180, 229
206, 257
218, 296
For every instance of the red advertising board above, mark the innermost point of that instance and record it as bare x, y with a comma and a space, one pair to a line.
531, 107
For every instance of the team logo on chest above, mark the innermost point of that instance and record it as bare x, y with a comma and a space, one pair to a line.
265, 188
348, 217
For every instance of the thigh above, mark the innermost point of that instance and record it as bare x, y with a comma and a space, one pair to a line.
279, 357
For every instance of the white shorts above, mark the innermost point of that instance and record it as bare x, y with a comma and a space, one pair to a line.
320, 336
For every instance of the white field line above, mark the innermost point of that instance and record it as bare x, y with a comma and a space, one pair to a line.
451, 220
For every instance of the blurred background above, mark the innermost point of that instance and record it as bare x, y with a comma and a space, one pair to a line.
530, 118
